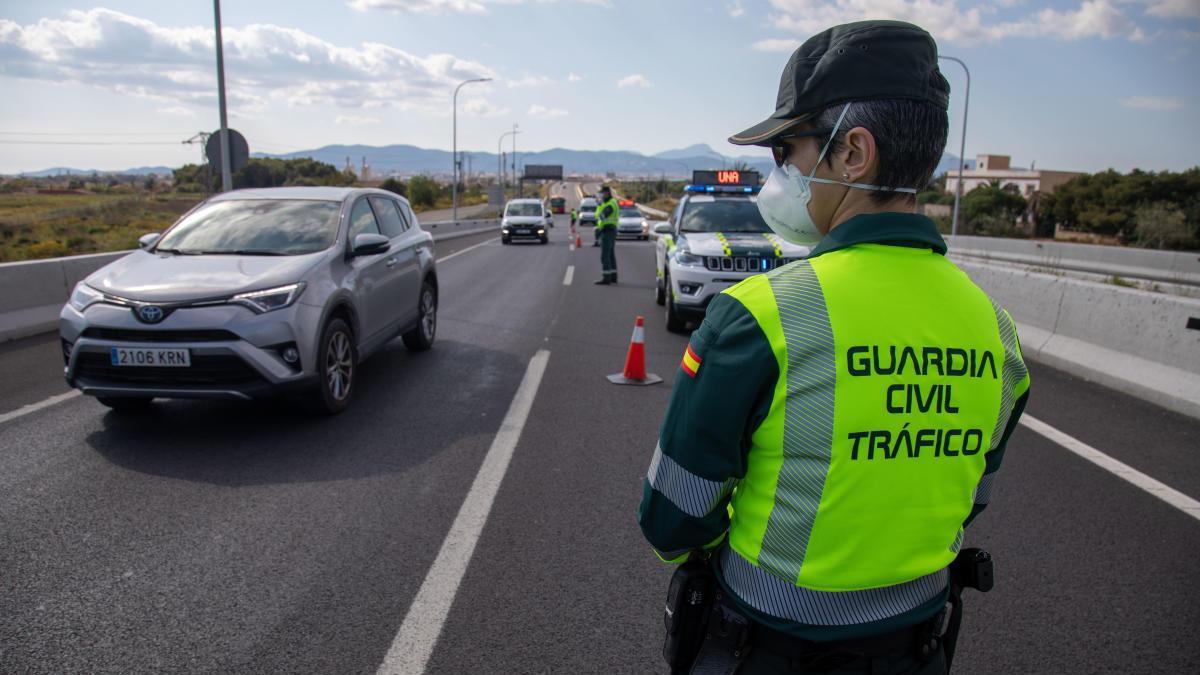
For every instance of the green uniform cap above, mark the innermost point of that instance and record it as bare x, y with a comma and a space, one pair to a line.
853, 62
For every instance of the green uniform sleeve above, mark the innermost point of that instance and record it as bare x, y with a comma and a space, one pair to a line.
722, 393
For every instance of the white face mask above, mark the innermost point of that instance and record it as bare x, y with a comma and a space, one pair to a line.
783, 200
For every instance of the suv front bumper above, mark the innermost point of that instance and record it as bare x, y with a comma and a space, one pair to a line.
693, 288
235, 353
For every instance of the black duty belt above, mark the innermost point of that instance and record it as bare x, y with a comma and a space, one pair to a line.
905, 640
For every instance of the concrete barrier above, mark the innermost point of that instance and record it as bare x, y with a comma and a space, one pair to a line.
1132, 340
33, 292
1177, 267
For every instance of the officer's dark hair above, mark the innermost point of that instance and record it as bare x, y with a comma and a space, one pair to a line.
910, 137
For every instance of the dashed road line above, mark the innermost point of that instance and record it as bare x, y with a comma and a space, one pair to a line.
418, 634
40, 405
570, 275
1117, 468
457, 253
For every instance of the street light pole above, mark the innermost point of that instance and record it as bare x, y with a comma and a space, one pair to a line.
500, 156
520, 183
454, 150
962, 145
226, 168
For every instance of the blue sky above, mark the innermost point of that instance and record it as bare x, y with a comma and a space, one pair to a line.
1073, 85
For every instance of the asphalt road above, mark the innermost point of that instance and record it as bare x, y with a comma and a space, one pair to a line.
212, 538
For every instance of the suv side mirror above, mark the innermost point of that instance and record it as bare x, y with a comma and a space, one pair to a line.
148, 240
663, 228
370, 244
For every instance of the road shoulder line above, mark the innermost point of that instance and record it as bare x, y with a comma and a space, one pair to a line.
418, 635
34, 407
457, 253
1117, 468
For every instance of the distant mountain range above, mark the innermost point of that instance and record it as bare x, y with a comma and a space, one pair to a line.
408, 160
69, 171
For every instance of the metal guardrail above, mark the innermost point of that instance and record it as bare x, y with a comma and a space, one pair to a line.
1175, 267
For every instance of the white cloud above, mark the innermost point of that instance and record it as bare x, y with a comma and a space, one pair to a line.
263, 63
947, 21
449, 6
736, 10
481, 107
355, 120
776, 45
1156, 103
529, 81
1173, 9
543, 112
572, 77
635, 80
177, 110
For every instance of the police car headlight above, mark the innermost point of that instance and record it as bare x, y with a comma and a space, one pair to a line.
645, 227
688, 259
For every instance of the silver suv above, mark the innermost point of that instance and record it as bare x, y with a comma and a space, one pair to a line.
254, 293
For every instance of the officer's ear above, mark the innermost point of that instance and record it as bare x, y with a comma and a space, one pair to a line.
859, 156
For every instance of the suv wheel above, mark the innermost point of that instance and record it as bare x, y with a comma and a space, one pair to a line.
420, 338
675, 323
337, 365
660, 293
125, 403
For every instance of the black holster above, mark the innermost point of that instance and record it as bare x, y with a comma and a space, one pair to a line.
972, 568
689, 600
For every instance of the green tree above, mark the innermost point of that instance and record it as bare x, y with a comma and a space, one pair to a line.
1162, 225
992, 210
423, 191
393, 185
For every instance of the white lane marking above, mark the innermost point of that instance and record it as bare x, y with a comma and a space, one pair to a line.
34, 407
1119, 469
569, 276
418, 634
469, 248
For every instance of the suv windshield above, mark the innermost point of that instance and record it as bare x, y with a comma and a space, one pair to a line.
587, 208
630, 212
255, 227
526, 209
723, 215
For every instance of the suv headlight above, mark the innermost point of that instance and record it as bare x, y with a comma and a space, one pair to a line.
504, 223
688, 260
84, 296
269, 299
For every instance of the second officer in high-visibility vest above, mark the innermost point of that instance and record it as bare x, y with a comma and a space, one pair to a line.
837, 422
608, 213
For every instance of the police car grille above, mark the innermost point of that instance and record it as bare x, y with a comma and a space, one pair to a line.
749, 263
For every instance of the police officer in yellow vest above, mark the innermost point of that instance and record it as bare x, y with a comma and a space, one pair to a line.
838, 422
608, 213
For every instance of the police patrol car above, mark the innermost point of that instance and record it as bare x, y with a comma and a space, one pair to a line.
714, 238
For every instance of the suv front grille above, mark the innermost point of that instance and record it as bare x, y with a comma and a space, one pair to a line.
205, 370
744, 263
137, 335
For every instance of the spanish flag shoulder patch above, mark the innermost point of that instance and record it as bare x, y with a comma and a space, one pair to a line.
691, 362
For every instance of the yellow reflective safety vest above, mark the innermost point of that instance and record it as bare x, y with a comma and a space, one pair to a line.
835, 425
607, 214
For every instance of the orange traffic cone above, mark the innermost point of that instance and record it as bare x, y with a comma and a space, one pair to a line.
578, 240
635, 360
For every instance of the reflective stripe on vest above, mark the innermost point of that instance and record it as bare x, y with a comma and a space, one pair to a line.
868, 461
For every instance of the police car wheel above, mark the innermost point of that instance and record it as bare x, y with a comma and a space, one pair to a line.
675, 323
660, 295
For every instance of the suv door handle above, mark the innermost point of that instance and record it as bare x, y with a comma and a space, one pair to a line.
391, 262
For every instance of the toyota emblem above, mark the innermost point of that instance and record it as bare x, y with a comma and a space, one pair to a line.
150, 314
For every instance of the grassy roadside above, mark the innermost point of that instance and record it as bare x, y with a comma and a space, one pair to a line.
36, 226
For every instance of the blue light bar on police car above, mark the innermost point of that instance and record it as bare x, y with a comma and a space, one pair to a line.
740, 189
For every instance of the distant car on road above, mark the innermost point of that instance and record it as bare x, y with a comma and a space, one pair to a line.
631, 222
254, 293
524, 219
587, 211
